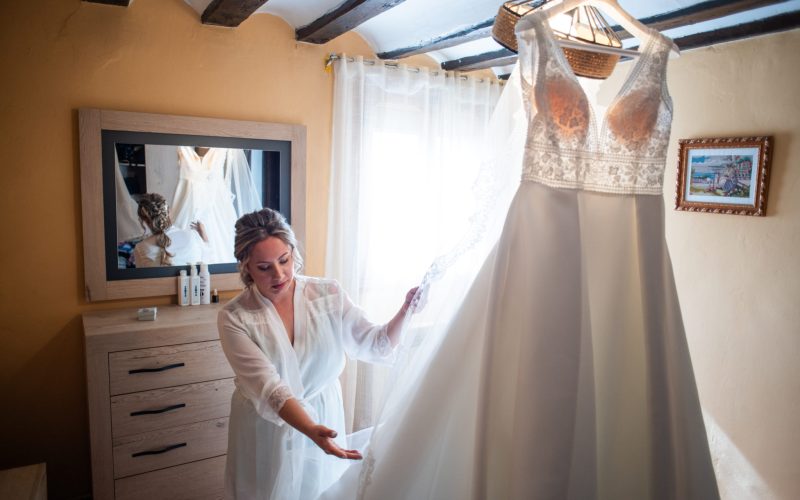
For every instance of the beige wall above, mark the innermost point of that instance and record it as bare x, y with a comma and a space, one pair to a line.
156, 57
737, 276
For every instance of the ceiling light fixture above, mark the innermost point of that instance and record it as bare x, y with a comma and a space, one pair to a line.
584, 25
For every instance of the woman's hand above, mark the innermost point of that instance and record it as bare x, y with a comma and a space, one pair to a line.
200, 228
323, 437
415, 300
295, 415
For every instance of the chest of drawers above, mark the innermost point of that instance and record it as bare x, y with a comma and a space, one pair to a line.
159, 398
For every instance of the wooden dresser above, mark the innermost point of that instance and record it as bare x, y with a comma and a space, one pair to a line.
159, 398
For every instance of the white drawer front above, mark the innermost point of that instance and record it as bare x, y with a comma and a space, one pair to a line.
161, 408
168, 447
202, 480
154, 368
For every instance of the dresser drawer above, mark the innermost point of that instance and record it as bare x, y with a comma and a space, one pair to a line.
201, 480
168, 447
161, 408
154, 368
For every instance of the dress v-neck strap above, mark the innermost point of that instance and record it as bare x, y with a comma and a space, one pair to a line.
543, 32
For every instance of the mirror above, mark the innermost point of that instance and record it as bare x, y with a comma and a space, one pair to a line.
195, 177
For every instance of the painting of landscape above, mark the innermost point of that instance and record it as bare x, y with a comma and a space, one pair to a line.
725, 175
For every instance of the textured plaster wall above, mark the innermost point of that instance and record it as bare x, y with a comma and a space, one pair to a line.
739, 277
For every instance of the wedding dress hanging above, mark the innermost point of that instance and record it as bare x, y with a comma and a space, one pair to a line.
203, 195
562, 372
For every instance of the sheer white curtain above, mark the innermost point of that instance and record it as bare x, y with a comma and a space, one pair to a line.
406, 151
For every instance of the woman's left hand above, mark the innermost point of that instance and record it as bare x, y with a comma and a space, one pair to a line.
200, 228
415, 300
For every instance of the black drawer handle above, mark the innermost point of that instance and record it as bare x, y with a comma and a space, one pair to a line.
162, 410
158, 452
151, 370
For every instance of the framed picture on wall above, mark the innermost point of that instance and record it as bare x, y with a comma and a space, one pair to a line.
726, 176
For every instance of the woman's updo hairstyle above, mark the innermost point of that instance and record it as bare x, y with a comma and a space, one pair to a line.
257, 226
154, 212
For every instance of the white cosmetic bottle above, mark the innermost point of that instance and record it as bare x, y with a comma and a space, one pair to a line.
194, 281
205, 284
183, 289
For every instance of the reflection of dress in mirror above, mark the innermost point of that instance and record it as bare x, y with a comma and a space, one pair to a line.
167, 245
203, 194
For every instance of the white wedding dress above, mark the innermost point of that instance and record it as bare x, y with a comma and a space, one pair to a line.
565, 372
203, 195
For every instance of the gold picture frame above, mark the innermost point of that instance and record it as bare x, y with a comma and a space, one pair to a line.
724, 175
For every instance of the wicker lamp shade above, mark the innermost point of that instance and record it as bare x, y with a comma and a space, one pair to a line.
584, 24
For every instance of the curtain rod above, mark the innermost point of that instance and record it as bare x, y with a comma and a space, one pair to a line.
414, 69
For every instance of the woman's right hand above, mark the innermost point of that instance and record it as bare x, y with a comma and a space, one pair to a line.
323, 437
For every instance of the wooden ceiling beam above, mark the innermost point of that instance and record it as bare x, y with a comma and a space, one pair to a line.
704, 11
481, 61
121, 3
342, 19
474, 32
698, 13
701, 12
230, 13
774, 24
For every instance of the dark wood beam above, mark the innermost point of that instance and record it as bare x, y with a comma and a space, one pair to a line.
121, 3
704, 11
781, 22
683, 17
698, 13
230, 13
481, 61
475, 32
774, 24
342, 19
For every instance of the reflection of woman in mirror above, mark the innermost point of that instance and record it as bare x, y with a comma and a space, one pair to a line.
286, 337
167, 245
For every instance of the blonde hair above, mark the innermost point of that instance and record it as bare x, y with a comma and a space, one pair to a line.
154, 212
256, 227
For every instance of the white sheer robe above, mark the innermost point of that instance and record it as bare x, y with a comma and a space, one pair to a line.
186, 247
267, 458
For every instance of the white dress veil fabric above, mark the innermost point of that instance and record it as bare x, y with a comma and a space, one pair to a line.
239, 179
562, 370
128, 225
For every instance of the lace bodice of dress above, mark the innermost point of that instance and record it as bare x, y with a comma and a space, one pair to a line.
622, 152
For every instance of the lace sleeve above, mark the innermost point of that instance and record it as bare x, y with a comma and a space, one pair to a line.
383, 346
279, 397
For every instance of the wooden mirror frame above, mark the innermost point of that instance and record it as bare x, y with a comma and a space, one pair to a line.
91, 123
